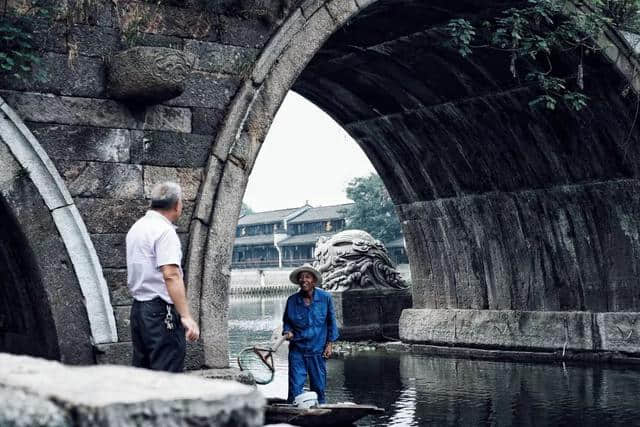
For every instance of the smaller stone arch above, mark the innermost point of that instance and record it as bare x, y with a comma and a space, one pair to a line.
55, 239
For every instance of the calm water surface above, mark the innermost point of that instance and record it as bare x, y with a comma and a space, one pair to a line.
418, 390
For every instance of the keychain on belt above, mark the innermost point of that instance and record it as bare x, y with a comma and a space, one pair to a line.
168, 320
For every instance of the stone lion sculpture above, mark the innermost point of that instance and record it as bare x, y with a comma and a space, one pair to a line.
353, 259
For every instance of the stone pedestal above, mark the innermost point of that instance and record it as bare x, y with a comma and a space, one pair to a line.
370, 313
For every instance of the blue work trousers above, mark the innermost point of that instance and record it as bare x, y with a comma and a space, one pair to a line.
300, 365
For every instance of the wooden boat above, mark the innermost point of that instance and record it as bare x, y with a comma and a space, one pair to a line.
336, 414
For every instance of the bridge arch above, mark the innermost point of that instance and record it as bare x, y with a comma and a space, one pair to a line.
54, 301
502, 207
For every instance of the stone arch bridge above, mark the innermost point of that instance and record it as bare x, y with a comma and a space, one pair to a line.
512, 217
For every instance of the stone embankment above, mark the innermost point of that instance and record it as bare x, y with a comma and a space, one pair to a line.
511, 335
564, 331
264, 290
261, 281
276, 280
37, 392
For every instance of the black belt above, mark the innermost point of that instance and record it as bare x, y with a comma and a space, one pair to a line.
157, 301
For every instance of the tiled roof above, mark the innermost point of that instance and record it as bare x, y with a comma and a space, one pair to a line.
266, 217
321, 213
303, 239
260, 239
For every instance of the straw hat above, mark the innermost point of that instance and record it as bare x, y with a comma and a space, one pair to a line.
293, 277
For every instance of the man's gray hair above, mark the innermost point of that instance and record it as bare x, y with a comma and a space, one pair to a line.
165, 195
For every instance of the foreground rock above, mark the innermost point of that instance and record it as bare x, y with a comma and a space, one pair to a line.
36, 392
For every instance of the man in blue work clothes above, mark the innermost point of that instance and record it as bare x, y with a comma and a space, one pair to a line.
309, 323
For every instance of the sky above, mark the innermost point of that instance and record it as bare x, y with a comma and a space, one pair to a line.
306, 156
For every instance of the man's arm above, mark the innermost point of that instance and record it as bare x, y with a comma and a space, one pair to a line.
287, 329
176, 289
332, 329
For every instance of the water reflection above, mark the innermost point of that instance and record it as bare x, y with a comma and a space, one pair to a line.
420, 390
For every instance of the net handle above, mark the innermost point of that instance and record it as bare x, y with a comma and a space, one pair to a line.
278, 343
272, 348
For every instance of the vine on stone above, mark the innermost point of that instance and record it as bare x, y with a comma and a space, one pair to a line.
532, 34
19, 57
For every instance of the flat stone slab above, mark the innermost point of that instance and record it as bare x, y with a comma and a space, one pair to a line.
41, 392
524, 330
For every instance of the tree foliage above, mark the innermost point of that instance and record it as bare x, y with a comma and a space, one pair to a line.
245, 209
19, 55
532, 34
372, 211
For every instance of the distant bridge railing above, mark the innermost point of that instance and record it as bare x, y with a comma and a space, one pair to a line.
271, 263
263, 290
255, 264
297, 262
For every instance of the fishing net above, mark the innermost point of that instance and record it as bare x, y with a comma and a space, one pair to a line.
259, 362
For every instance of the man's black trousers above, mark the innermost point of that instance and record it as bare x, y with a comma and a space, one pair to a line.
155, 346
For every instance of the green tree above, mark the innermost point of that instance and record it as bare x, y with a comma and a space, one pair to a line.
373, 210
245, 209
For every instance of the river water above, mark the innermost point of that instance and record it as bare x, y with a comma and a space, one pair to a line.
419, 390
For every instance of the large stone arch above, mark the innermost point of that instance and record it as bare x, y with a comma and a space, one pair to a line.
525, 233
53, 291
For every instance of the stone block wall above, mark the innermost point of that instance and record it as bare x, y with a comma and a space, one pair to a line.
111, 153
503, 209
566, 248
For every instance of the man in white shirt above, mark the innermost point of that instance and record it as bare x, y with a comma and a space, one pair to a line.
160, 318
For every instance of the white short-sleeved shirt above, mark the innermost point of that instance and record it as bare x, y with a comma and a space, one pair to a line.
151, 243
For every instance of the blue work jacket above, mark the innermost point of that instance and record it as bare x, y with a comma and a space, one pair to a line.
313, 326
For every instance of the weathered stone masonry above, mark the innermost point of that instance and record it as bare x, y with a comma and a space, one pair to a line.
110, 154
503, 208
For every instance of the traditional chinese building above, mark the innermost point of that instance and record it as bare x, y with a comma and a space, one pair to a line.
284, 238
397, 251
